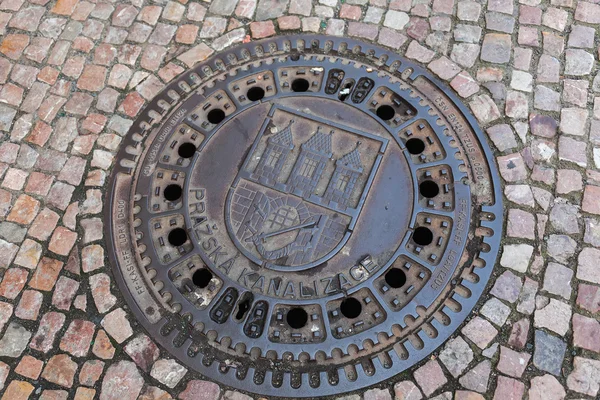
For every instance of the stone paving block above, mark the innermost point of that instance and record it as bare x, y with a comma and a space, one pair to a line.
496, 311
30, 367
508, 388
587, 268
168, 372
77, 338
456, 356
480, 331
103, 347
407, 390
549, 352
588, 297
18, 390
512, 363
14, 340
117, 325
430, 377
554, 316
546, 387
196, 389
584, 378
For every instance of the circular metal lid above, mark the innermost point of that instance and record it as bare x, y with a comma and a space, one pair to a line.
303, 216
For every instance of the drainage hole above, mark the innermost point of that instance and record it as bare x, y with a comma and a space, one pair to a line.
215, 116
423, 236
297, 318
244, 306
177, 237
186, 150
429, 189
300, 85
202, 277
395, 278
385, 112
173, 192
350, 307
255, 93
415, 146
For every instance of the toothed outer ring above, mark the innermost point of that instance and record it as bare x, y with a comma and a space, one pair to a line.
133, 147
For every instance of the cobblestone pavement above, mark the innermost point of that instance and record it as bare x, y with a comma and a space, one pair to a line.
74, 74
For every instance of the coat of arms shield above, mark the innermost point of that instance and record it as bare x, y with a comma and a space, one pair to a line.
300, 190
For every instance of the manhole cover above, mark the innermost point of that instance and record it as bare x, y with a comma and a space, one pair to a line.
303, 216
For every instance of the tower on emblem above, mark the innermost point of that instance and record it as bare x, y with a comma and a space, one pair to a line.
273, 159
309, 166
347, 171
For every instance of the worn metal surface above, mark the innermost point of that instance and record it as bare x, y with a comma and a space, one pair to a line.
303, 216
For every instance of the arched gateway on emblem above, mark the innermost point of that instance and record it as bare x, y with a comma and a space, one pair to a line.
303, 216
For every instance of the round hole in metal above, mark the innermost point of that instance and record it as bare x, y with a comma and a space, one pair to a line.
395, 278
429, 189
255, 93
350, 307
300, 85
297, 318
173, 192
202, 277
385, 112
415, 146
177, 237
215, 116
423, 236
186, 150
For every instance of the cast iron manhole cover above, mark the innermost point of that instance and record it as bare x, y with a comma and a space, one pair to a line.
303, 216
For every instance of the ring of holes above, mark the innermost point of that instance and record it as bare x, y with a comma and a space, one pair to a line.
350, 307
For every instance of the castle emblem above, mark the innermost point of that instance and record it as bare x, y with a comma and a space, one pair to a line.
296, 204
